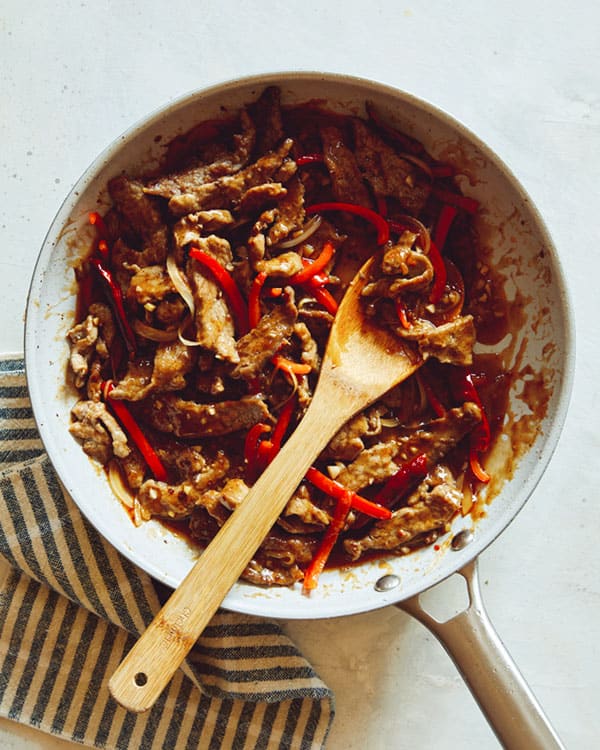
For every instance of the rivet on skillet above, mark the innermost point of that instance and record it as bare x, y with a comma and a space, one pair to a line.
463, 538
387, 582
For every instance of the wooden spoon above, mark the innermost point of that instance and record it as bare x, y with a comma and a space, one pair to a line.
361, 363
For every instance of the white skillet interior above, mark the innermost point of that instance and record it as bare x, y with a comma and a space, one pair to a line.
509, 221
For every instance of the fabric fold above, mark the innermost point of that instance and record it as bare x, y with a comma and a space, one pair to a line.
71, 607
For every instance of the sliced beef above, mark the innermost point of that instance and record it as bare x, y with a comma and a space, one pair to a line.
177, 501
346, 178
428, 511
289, 213
266, 116
144, 216
82, 342
191, 228
259, 197
170, 413
215, 326
348, 442
226, 192
279, 559
257, 347
404, 270
450, 342
150, 285
388, 174
172, 362
379, 462
285, 265
98, 431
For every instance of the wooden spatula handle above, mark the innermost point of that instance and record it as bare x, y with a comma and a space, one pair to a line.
151, 663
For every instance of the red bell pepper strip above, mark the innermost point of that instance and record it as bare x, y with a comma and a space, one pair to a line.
116, 299
336, 490
251, 447
457, 199
325, 298
132, 428
317, 564
444, 222
315, 267
321, 556
378, 221
435, 403
399, 483
480, 438
288, 365
310, 159
283, 422
229, 287
401, 312
254, 299
439, 273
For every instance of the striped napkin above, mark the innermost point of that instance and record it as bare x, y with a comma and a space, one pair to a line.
71, 607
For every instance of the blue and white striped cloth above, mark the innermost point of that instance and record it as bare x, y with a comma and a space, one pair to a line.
71, 607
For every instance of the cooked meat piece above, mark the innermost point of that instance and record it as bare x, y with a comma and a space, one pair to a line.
346, 178
404, 269
278, 560
134, 468
150, 284
259, 197
170, 413
106, 326
348, 443
387, 173
310, 350
301, 515
98, 430
177, 501
429, 509
289, 213
266, 115
193, 227
170, 311
286, 265
212, 166
450, 342
377, 463
227, 191
144, 216
234, 491
172, 362
215, 327
82, 341
257, 347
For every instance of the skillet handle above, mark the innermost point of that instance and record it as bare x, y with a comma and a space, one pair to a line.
489, 672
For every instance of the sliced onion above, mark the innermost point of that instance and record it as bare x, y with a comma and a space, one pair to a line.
153, 334
182, 338
180, 283
390, 422
309, 228
419, 163
120, 491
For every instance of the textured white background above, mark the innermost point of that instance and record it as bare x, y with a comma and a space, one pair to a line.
525, 76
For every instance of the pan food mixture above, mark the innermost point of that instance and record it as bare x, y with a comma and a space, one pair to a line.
204, 309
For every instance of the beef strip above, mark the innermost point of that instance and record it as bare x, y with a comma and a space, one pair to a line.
82, 342
279, 559
144, 216
257, 198
289, 213
266, 115
428, 511
226, 192
177, 501
170, 413
348, 442
376, 464
451, 342
98, 431
285, 265
172, 362
346, 178
388, 174
150, 284
404, 270
213, 166
215, 327
257, 347
191, 228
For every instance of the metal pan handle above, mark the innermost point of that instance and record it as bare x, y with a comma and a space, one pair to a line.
488, 670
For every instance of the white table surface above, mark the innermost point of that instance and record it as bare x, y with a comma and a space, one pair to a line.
525, 76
